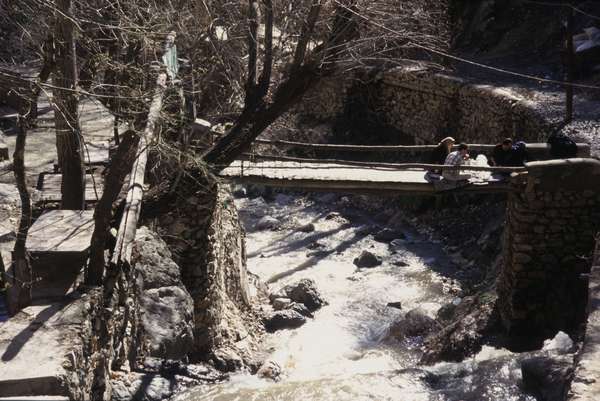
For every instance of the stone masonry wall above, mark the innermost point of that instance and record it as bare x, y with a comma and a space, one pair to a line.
426, 106
553, 216
207, 242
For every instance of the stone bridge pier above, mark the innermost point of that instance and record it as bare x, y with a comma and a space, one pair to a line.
553, 216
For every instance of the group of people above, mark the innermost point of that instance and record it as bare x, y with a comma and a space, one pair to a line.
505, 154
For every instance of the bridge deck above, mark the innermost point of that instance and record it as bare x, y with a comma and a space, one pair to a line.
345, 178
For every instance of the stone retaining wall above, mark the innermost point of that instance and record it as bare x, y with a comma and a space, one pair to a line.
553, 216
207, 241
425, 106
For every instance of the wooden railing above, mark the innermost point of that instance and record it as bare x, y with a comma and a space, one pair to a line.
336, 163
536, 150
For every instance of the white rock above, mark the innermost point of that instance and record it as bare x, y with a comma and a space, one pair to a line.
561, 343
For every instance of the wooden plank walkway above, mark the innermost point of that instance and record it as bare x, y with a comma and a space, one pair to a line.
61, 231
96, 154
344, 178
49, 186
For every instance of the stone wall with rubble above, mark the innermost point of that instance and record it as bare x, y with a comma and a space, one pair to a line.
96, 353
207, 241
553, 217
425, 106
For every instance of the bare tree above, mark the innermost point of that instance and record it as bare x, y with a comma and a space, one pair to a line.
69, 142
19, 293
349, 33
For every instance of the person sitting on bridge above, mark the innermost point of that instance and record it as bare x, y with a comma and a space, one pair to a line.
457, 158
503, 153
508, 155
441, 151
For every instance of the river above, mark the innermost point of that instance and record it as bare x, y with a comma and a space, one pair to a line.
344, 353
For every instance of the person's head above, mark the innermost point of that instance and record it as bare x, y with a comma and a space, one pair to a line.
448, 141
463, 148
507, 144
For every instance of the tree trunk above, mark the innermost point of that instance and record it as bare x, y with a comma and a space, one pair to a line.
69, 141
19, 293
252, 123
121, 165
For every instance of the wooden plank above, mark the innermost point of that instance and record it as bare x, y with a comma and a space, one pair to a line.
135, 190
49, 186
96, 154
61, 231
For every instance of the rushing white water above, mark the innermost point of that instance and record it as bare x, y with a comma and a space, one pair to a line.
344, 353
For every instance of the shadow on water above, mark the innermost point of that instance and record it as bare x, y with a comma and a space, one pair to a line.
279, 243
315, 259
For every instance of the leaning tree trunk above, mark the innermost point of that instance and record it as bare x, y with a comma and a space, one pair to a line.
19, 293
69, 141
250, 125
121, 165
305, 72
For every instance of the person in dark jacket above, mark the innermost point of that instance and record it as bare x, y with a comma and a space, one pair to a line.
439, 154
503, 153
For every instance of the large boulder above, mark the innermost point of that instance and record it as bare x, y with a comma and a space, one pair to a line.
367, 259
283, 319
305, 292
414, 323
167, 309
166, 317
547, 377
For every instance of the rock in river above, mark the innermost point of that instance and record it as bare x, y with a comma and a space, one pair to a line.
301, 309
388, 235
547, 378
367, 259
414, 323
307, 228
284, 319
305, 292
396, 305
268, 223
281, 303
269, 370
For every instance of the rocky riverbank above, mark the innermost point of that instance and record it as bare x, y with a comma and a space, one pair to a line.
360, 293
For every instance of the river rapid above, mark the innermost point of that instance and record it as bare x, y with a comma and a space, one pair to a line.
345, 353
